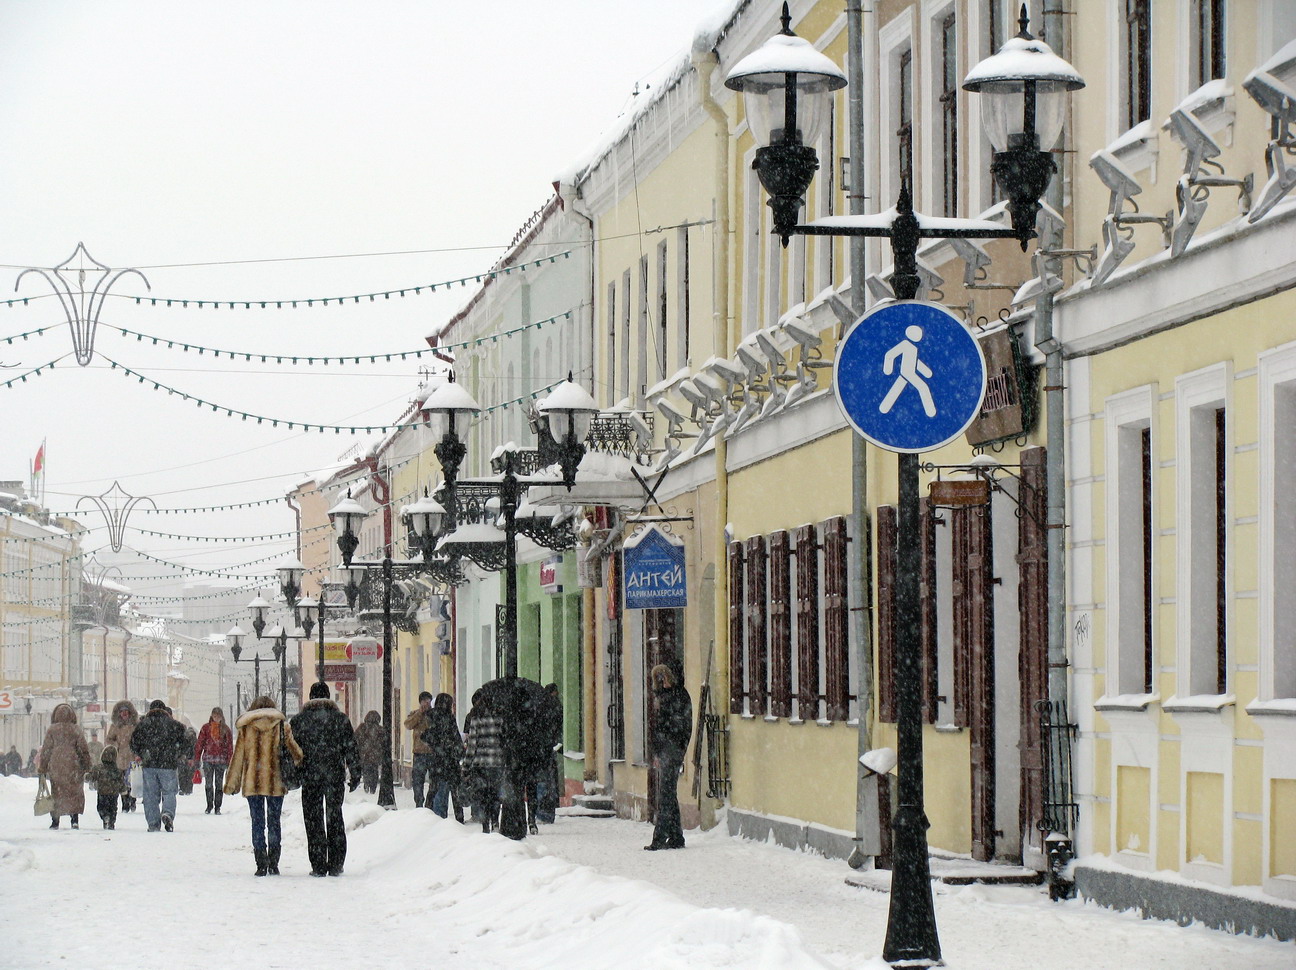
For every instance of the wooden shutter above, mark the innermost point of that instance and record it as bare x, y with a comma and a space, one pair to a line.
836, 620
807, 602
757, 633
1032, 606
737, 672
981, 681
886, 571
927, 608
780, 632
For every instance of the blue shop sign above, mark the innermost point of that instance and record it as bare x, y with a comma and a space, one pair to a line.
654, 571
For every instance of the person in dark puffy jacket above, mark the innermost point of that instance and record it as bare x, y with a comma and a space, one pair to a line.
329, 749
447, 749
159, 741
672, 726
109, 781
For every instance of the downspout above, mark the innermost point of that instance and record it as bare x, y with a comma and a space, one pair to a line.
705, 63
867, 842
570, 194
1059, 844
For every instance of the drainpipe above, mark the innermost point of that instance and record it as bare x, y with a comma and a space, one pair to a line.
867, 841
705, 63
1058, 844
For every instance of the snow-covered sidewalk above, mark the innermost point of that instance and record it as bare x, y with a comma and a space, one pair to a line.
422, 892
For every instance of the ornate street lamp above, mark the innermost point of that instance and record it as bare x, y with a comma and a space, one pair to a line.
569, 411
1024, 81
234, 638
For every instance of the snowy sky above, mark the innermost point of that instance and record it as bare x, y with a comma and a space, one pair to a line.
236, 138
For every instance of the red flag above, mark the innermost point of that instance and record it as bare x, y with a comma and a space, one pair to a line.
39, 464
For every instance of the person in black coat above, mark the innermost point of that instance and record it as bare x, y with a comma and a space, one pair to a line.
159, 742
447, 749
328, 743
549, 783
672, 726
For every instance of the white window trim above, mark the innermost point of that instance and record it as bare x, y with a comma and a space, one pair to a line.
1135, 148
1134, 408
683, 280
928, 77
893, 40
1276, 368
752, 226
1209, 387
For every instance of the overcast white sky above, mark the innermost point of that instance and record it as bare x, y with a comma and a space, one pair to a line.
162, 133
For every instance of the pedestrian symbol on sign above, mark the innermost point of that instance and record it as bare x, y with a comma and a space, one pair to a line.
910, 369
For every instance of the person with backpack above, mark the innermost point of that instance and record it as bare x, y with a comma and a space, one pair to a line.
329, 751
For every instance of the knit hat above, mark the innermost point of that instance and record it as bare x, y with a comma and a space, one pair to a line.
157, 705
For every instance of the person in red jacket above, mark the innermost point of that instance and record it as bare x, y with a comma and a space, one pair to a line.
212, 752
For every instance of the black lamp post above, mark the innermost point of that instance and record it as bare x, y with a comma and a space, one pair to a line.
1025, 84
234, 638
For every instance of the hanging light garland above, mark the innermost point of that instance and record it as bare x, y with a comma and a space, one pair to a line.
36, 372
339, 300
397, 355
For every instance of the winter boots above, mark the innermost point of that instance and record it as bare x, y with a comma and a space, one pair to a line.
272, 860
262, 861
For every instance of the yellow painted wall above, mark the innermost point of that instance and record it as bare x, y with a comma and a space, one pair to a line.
1133, 798
1205, 817
1282, 823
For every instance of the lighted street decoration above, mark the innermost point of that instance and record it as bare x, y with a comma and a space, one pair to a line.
654, 571
116, 504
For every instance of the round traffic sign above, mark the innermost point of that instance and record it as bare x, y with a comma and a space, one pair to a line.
909, 376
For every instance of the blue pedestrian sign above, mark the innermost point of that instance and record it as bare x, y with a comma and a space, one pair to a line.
909, 376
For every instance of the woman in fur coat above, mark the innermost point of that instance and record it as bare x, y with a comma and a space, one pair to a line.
124, 721
65, 758
254, 770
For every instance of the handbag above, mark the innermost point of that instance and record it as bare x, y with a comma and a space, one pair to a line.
44, 800
289, 772
197, 776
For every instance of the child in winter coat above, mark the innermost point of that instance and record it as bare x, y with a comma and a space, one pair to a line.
109, 781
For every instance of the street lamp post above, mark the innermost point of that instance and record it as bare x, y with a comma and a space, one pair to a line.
235, 640
1025, 84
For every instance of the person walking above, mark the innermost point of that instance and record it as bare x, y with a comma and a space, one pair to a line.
447, 748
672, 726
370, 738
13, 763
329, 748
484, 760
109, 783
95, 745
124, 721
212, 752
65, 758
549, 784
254, 771
158, 740
418, 721
185, 769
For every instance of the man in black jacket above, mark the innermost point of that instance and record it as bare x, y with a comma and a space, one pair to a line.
328, 742
159, 741
672, 726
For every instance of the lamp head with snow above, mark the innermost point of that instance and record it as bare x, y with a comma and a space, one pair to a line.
346, 517
290, 580
1025, 86
448, 409
570, 411
423, 523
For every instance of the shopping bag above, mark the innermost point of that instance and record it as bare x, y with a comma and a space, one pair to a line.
197, 778
289, 772
137, 781
44, 800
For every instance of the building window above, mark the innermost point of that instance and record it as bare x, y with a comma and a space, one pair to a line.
609, 393
662, 339
1131, 528
904, 118
636, 393
623, 387
948, 101
1137, 48
1202, 533
682, 348
1277, 524
780, 625
1208, 41
757, 625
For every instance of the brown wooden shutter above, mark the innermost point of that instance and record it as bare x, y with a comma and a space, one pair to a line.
737, 671
780, 633
836, 620
959, 595
886, 572
927, 608
1032, 605
807, 556
981, 681
757, 613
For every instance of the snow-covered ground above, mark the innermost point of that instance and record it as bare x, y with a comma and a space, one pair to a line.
420, 892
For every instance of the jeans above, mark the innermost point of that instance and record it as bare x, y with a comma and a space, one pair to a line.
326, 841
548, 791
213, 783
440, 790
159, 784
265, 811
420, 768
